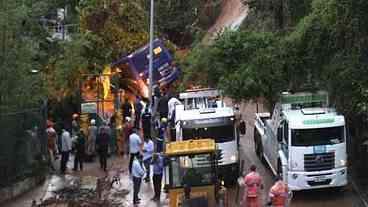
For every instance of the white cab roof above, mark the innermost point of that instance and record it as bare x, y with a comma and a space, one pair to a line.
204, 113
313, 118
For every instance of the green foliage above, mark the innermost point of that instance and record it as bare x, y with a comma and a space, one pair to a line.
244, 64
181, 20
327, 49
21, 51
119, 26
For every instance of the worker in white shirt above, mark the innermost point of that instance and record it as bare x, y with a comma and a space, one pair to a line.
173, 101
135, 144
148, 148
138, 172
66, 148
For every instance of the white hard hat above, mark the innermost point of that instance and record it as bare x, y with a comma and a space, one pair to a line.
127, 119
93, 122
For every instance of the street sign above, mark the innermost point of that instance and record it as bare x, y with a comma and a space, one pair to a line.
88, 108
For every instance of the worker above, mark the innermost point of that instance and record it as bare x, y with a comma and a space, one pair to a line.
91, 142
138, 172
162, 135
127, 131
253, 185
279, 193
75, 125
135, 144
146, 123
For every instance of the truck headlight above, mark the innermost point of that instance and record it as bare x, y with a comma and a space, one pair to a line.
342, 163
233, 158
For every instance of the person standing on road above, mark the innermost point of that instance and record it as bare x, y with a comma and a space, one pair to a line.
92, 135
127, 108
80, 148
162, 135
137, 174
279, 193
163, 107
253, 184
172, 104
102, 142
66, 148
137, 111
146, 122
127, 131
158, 169
135, 143
148, 148
75, 125
51, 143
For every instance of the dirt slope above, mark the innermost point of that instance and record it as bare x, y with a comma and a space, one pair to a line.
232, 15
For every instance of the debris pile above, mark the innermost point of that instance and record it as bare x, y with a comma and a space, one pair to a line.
70, 191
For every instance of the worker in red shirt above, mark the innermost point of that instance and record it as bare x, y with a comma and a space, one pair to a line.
279, 193
253, 185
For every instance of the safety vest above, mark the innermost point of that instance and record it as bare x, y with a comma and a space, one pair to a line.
279, 194
253, 182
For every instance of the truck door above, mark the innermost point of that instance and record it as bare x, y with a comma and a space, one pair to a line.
269, 146
284, 147
281, 142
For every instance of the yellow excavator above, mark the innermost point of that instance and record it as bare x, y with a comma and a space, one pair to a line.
191, 173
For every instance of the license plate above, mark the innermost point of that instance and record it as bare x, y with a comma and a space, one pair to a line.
320, 179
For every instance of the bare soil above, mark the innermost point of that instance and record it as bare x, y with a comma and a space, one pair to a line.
232, 14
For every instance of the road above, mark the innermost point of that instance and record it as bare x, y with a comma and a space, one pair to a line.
315, 198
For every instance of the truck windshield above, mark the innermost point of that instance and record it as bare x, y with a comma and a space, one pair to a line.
191, 170
320, 136
220, 134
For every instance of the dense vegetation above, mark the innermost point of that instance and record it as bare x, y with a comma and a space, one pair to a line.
326, 48
100, 32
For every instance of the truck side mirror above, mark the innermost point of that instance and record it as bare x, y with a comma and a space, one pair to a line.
279, 134
242, 127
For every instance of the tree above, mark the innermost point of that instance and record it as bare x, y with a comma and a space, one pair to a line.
244, 64
22, 51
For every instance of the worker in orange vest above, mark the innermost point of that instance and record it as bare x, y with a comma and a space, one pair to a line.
279, 193
253, 184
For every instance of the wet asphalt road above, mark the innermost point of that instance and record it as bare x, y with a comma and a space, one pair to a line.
315, 198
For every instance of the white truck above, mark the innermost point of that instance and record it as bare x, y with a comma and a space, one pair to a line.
204, 115
304, 142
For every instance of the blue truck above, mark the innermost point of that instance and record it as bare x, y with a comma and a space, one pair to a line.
165, 71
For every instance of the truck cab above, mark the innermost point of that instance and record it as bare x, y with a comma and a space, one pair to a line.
203, 115
191, 169
304, 141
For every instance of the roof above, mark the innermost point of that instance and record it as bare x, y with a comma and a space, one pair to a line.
204, 114
199, 93
299, 120
190, 147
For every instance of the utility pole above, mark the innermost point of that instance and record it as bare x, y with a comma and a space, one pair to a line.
150, 70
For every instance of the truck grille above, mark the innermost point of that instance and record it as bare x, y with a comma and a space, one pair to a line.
318, 162
314, 183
